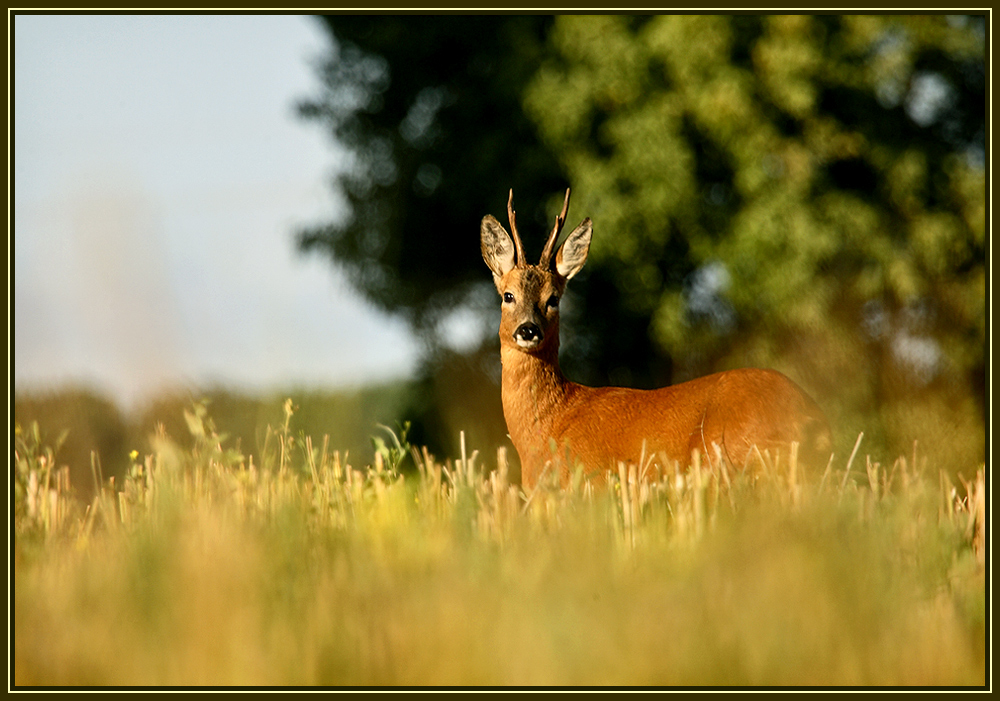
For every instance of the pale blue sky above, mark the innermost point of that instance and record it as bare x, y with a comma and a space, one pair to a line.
160, 175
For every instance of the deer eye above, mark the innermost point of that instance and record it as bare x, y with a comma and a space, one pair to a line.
553, 301
508, 297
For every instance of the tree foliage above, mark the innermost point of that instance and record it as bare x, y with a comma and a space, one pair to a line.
804, 192
429, 109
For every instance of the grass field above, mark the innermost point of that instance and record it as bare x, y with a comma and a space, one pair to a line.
208, 566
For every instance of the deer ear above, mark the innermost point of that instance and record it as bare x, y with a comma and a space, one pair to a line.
497, 247
573, 253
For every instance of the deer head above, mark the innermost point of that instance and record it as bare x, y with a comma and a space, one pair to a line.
531, 293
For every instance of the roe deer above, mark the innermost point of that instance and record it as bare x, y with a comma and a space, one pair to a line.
559, 425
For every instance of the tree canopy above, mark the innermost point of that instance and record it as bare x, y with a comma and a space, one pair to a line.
430, 111
801, 192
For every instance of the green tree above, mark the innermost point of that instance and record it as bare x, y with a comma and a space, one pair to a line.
429, 110
800, 192
787, 190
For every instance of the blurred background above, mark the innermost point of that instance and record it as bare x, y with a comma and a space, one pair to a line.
244, 208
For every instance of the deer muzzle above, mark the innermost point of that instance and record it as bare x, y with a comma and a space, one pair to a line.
528, 335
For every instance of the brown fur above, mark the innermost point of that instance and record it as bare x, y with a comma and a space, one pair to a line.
557, 425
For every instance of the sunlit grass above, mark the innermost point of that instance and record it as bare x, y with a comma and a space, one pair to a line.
208, 566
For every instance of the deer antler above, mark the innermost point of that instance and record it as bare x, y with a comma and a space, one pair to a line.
521, 261
550, 245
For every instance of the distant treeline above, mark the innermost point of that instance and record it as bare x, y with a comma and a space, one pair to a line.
92, 423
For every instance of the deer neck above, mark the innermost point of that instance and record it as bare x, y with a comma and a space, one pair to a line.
533, 388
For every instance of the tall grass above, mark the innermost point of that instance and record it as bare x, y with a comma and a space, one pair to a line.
206, 566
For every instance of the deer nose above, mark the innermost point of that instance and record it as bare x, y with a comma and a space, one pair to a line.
528, 335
